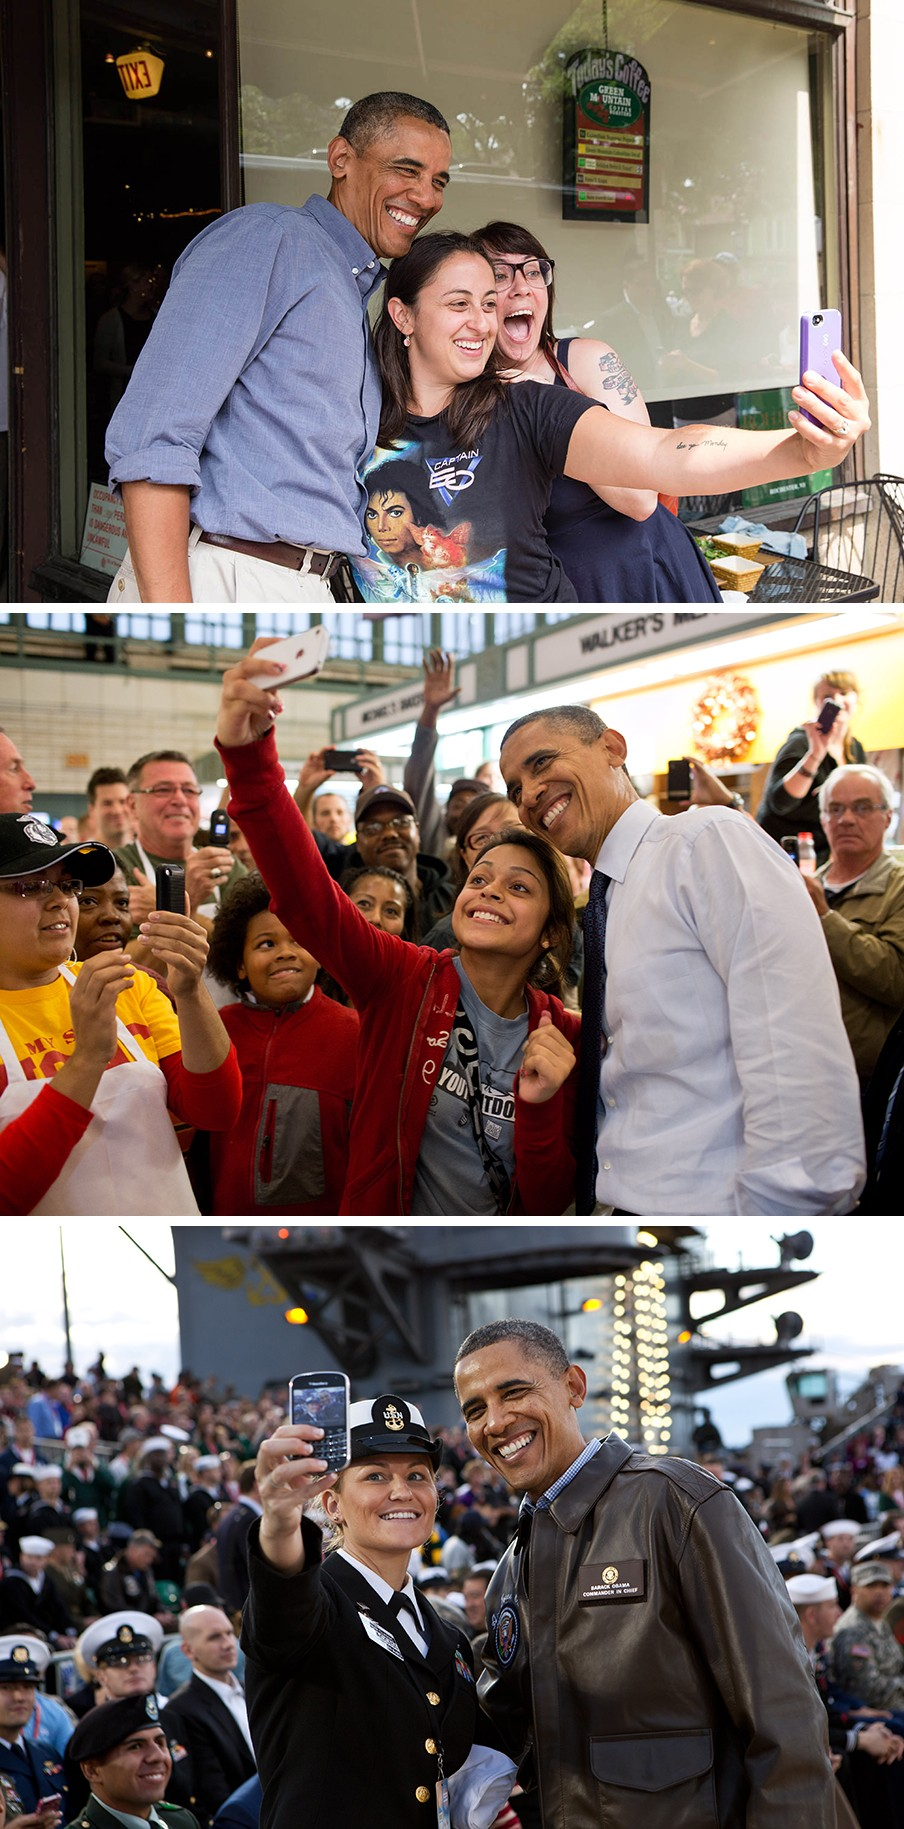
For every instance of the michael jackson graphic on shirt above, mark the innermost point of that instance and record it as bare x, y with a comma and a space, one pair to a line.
450, 525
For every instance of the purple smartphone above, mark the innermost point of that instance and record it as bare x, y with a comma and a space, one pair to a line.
820, 333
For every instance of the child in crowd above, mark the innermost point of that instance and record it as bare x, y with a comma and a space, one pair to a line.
296, 1049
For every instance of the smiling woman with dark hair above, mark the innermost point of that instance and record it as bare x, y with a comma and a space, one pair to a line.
465, 1091
618, 545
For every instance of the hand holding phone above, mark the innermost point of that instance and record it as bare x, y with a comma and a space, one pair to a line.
301, 656
321, 1400
827, 716
820, 336
342, 761
678, 786
170, 881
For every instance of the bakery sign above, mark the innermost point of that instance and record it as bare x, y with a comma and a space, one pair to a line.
606, 138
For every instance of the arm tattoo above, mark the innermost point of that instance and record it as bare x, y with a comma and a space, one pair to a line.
704, 444
616, 378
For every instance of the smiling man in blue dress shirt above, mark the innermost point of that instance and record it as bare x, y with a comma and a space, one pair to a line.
239, 443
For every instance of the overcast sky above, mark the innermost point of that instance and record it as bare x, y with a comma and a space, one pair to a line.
118, 1301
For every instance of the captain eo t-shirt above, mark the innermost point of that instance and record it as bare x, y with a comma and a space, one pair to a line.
446, 525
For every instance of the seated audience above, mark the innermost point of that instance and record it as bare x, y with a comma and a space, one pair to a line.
208, 1714
288, 1151
127, 1761
862, 1749
866, 1658
29, 1599
31, 1770
859, 897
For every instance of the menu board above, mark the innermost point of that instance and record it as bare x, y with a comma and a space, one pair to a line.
606, 139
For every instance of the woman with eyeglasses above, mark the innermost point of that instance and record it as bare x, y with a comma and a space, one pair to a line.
465, 1094
621, 545
489, 452
92, 1054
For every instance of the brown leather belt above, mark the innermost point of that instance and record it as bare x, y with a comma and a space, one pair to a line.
279, 552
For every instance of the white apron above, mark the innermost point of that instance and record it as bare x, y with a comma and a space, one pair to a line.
129, 1160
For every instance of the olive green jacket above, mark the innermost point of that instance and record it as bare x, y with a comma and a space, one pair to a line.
865, 937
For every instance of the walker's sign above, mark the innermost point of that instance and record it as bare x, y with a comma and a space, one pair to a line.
606, 138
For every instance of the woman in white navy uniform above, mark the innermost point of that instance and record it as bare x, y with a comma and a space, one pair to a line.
361, 1700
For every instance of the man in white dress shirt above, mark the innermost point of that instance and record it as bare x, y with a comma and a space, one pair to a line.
727, 1083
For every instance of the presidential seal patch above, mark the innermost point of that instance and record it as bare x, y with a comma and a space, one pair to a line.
39, 834
506, 1632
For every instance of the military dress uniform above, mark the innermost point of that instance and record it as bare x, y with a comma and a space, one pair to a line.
351, 1723
105, 1729
32, 1769
96, 1816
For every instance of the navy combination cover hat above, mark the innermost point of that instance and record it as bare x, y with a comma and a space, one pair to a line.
388, 1425
28, 846
109, 1724
17, 1665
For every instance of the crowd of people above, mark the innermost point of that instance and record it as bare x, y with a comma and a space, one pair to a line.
541, 997
145, 1526
463, 454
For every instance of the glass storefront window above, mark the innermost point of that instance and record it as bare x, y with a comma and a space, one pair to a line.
702, 301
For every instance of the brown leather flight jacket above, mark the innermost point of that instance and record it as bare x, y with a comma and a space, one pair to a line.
644, 1664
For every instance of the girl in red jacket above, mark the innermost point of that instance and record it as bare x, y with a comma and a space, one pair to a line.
464, 1103
296, 1049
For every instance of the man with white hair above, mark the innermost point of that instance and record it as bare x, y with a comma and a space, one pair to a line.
859, 897
28, 1599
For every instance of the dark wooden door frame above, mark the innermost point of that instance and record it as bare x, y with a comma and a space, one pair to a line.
25, 36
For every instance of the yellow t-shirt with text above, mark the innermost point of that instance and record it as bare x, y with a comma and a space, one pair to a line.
39, 1025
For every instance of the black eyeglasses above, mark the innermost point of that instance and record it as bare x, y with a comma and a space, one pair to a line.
536, 272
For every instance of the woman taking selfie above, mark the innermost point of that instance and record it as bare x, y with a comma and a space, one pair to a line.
438, 1124
361, 1700
621, 546
489, 452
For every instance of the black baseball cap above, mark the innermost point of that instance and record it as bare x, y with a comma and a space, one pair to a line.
28, 846
109, 1724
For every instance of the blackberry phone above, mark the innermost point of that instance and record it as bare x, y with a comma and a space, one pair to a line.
321, 1399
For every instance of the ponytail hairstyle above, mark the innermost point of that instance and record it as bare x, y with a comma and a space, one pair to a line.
473, 403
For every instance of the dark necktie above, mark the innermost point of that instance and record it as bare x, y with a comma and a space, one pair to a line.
397, 1602
587, 1116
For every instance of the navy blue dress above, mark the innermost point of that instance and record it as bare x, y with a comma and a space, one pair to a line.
612, 559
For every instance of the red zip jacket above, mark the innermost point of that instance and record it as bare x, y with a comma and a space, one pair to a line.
406, 997
289, 1150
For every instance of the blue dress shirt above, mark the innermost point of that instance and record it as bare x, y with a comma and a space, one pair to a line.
258, 385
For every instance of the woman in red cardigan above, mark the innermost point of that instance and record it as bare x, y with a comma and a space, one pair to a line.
464, 1103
